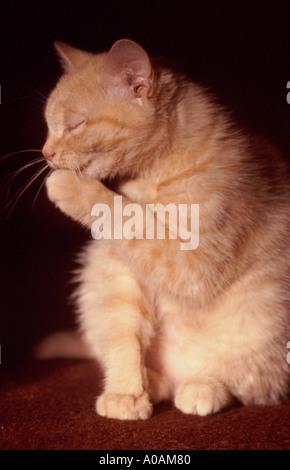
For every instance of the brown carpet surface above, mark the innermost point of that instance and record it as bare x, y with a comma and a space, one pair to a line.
50, 405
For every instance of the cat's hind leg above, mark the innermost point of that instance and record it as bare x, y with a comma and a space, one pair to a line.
237, 349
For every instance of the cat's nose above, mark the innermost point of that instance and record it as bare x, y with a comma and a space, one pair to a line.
47, 153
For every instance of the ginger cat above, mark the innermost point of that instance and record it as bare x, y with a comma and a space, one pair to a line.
197, 326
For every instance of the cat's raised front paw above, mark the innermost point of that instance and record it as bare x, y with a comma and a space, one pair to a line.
201, 398
118, 406
69, 192
61, 186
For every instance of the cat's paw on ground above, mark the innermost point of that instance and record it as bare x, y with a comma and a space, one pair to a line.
119, 406
200, 398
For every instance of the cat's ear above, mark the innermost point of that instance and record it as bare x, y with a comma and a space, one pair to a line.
128, 69
70, 56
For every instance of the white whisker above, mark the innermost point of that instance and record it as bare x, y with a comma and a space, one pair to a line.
39, 190
13, 201
44, 98
27, 165
11, 176
20, 151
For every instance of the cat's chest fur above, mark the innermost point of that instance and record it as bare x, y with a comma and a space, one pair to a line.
140, 190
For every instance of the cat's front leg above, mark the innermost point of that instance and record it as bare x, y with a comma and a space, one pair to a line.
75, 194
115, 318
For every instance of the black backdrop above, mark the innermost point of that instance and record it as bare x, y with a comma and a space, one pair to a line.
240, 49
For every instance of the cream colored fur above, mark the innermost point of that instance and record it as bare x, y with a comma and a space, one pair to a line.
196, 327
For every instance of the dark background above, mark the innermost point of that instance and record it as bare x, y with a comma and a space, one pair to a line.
240, 49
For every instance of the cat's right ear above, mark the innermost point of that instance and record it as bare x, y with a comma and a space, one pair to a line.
127, 70
71, 57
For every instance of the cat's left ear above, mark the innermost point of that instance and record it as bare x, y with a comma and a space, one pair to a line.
128, 70
71, 57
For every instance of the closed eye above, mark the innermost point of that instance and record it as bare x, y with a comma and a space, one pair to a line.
75, 125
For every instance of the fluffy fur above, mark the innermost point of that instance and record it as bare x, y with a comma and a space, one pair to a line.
199, 326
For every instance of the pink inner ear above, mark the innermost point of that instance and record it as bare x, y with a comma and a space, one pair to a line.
127, 65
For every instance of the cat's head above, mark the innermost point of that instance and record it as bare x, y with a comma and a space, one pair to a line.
101, 115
